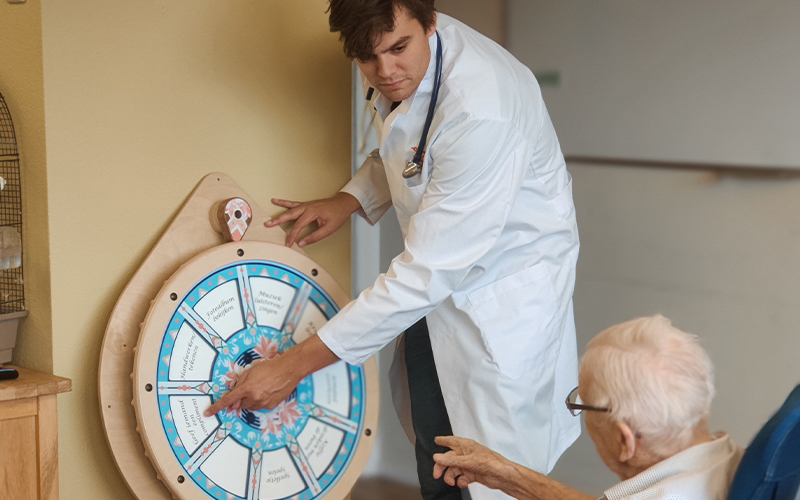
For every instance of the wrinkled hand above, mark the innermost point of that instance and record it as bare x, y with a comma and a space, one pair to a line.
264, 385
468, 462
329, 214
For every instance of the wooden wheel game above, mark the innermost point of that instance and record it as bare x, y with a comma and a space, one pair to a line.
223, 308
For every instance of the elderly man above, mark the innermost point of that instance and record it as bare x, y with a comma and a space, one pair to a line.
646, 388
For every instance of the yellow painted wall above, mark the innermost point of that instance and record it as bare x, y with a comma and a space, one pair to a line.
22, 85
141, 100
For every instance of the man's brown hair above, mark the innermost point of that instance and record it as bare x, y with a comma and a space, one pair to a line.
360, 22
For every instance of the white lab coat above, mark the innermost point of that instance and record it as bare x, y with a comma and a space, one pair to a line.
491, 245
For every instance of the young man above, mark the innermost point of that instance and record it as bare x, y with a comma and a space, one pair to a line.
646, 390
491, 242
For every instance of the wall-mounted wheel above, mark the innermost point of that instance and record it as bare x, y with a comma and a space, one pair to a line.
230, 307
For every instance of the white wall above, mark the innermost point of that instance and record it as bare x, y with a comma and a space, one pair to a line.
718, 253
712, 81
486, 16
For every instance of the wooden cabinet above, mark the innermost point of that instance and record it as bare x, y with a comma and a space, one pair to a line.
29, 435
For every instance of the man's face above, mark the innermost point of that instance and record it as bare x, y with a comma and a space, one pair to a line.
401, 58
603, 432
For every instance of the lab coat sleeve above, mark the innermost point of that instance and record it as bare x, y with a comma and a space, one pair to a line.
370, 188
478, 170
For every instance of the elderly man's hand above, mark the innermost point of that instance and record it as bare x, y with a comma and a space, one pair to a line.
468, 462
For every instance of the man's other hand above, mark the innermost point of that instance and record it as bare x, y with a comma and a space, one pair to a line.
329, 214
468, 462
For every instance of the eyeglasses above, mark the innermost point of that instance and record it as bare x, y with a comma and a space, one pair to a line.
576, 406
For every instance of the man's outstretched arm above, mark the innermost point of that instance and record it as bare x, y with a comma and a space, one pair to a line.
269, 382
468, 462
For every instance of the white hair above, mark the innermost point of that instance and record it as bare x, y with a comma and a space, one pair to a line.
654, 377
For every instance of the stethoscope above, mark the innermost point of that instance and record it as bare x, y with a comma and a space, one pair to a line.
414, 167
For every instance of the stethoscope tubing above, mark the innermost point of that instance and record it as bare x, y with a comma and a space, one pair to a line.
414, 167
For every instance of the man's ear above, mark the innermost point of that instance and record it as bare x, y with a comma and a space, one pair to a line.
432, 29
627, 442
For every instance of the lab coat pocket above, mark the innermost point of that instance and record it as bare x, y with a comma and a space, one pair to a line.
416, 185
515, 315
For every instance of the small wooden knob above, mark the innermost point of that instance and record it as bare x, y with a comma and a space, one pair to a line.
231, 218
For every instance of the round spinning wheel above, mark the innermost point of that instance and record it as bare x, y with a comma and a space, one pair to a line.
228, 308
231, 307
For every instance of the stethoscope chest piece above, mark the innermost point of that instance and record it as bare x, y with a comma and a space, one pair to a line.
411, 170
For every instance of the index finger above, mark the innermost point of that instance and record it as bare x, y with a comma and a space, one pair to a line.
289, 215
450, 459
321, 233
285, 203
302, 222
448, 441
225, 401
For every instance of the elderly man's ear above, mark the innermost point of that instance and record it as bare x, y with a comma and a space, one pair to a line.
627, 442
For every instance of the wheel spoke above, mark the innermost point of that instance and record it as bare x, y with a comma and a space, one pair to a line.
334, 420
201, 326
180, 388
298, 306
246, 293
205, 450
304, 467
254, 484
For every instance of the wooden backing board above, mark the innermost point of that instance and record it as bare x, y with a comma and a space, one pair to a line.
189, 234
146, 360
